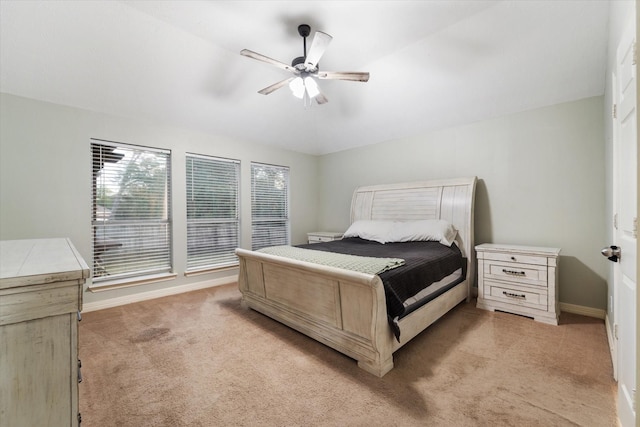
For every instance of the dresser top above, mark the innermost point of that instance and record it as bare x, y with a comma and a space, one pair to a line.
533, 250
38, 261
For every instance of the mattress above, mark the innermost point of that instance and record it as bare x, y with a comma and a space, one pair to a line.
430, 269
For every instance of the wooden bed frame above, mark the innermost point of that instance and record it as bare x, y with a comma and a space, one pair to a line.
346, 310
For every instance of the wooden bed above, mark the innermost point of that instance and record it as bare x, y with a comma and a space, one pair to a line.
346, 310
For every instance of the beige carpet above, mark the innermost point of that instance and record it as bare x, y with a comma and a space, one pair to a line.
200, 359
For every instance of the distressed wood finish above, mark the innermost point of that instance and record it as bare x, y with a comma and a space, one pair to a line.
519, 279
323, 236
346, 310
40, 296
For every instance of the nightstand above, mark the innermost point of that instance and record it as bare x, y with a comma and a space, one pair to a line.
323, 236
519, 279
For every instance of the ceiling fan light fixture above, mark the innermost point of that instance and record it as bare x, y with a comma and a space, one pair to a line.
297, 87
312, 87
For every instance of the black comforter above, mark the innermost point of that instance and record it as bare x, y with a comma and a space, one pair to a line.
425, 263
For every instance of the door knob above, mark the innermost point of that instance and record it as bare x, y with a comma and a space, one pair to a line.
612, 253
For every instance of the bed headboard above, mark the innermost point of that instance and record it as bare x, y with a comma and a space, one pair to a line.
449, 199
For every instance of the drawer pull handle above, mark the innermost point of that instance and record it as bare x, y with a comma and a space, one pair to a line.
510, 295
79, 371
513, 272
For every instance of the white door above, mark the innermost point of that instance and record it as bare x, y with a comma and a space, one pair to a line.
625, 195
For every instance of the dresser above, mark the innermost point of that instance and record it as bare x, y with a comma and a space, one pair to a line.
323, 236
519, 279
41, 284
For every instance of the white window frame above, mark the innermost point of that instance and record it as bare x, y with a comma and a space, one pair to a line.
269, 228
131, 245
212, 237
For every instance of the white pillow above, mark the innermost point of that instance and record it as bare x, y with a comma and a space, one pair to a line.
429, 229
378, 231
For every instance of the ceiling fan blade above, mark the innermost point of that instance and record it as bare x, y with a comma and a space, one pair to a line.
318, 46
260, 57
321, 99
353, 76
275, 86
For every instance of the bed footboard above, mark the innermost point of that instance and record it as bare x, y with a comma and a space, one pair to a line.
343, 309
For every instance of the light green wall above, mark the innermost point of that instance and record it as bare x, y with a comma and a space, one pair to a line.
541, 182
45, 177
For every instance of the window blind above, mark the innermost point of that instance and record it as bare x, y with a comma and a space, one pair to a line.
213, 227
131, 214
269, 205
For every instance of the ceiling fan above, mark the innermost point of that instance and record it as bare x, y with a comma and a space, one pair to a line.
305, 68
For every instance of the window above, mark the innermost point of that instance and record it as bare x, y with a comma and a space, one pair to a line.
213, 227
269, 205
131, 211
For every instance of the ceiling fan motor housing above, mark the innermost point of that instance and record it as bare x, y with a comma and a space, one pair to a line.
298, 62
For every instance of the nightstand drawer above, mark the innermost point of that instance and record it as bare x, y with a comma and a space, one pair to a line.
319, 239
513, 257
526, 274
323, 236
499, 292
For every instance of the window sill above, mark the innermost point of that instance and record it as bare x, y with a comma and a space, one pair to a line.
210, 270
131, 281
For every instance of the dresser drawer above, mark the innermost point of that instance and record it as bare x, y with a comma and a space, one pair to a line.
526, 274
519, 258
523, 297
21, 304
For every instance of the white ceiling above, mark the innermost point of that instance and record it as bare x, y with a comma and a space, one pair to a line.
433, 64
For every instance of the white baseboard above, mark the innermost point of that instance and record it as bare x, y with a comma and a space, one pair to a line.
598, 313
612, 347
143, 296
